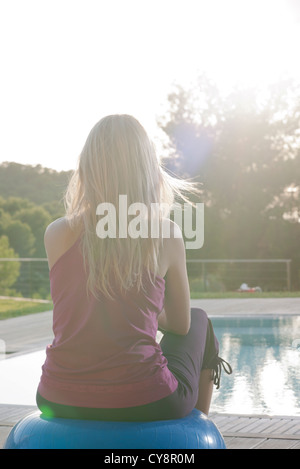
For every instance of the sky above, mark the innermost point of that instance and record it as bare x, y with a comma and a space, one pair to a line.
65, 64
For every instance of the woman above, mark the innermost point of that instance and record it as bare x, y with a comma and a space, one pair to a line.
112, 293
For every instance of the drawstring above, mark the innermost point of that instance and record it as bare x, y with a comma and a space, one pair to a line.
220, 363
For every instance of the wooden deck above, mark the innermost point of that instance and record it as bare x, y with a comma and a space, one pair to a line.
258, 432
239, 431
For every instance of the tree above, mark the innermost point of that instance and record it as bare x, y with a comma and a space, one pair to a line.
15, 204
55, 209
9, 270
244, 150
20, 238
37, 218
35, 183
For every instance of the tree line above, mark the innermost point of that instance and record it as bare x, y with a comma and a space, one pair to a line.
30, 198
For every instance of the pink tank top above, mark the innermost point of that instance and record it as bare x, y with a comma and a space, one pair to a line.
104, 353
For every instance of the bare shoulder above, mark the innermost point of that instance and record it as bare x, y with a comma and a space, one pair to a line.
58, 238
58, 229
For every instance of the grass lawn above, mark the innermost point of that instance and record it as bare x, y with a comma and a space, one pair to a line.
10, 308
13, 308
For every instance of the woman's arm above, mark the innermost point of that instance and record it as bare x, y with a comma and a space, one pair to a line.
175, 317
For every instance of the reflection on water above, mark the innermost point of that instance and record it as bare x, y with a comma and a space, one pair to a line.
265, 358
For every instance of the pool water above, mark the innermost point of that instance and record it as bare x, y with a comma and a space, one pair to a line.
264, 353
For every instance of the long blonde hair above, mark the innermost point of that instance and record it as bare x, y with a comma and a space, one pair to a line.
118, 158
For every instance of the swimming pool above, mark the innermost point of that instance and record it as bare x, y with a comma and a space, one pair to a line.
264, 353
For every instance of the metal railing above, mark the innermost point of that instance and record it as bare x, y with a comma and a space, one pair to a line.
204, 275
269, 274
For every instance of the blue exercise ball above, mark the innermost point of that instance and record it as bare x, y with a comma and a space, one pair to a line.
196, 431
